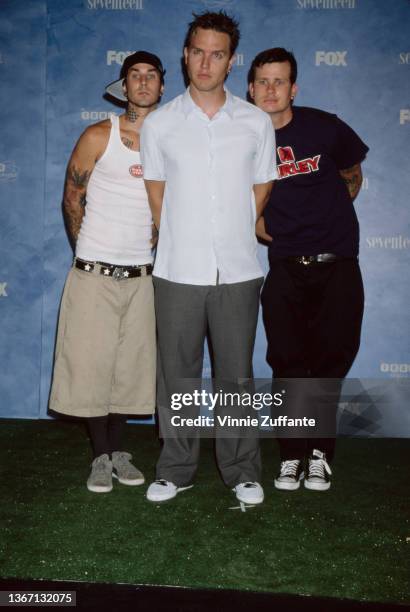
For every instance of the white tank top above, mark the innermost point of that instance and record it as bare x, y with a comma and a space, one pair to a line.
116, 226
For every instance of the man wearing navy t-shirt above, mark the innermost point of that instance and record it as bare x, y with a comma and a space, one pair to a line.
312, 299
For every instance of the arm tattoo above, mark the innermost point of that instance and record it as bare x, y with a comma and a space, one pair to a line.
353, 180
78, 177
128, 143
75, 194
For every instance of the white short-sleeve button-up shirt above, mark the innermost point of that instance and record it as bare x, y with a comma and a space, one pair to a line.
210, 166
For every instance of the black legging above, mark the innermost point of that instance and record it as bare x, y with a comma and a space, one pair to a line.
106, 433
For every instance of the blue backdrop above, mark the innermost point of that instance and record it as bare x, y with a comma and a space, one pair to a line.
56, 56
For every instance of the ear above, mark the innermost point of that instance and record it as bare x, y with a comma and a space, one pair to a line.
294, 90
161, 91
186, 55
251, 90
124, 89
231, 63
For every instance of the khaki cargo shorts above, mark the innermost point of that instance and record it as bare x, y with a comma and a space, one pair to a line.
105, 359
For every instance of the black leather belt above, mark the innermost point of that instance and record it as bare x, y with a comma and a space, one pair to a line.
313, 259
117, 272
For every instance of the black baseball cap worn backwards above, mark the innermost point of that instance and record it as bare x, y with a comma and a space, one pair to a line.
139, 57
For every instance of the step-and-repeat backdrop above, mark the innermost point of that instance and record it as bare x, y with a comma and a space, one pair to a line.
56, 57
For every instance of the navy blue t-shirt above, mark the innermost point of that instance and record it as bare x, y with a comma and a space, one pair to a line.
310, 210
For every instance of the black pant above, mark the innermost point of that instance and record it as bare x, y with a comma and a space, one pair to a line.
312, 316
106, 433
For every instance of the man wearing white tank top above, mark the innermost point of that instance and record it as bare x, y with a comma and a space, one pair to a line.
105, 353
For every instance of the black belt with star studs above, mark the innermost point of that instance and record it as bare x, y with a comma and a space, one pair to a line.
117, 272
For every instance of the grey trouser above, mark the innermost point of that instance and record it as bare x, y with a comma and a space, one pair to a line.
184, 315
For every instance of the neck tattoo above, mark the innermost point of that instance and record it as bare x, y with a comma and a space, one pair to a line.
132, 115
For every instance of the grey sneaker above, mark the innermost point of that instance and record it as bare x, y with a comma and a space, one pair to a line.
124, 471
100, 479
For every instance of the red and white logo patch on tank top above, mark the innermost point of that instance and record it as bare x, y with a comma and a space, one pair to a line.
136, 170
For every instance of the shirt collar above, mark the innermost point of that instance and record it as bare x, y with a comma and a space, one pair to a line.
188, 105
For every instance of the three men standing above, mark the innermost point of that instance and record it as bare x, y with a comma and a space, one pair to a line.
208, 160
105, 353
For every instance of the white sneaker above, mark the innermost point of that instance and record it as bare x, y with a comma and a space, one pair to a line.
162, 490
249, 492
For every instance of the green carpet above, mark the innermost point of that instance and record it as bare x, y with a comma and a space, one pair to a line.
351, 542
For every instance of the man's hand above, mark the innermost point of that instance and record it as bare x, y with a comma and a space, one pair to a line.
261, 230
353, 179
155, 191
154, 235
262, 193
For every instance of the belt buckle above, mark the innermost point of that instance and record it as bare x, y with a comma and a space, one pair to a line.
119, 273
306, 260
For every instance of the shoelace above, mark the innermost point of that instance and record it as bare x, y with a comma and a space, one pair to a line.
162, 482
100, 466
289, 467
317, 468
122, 459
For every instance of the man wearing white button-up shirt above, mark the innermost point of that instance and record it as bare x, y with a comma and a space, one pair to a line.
208, 161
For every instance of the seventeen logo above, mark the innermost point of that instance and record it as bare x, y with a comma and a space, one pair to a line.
388, 242
291, 167
114, 5
326, 4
